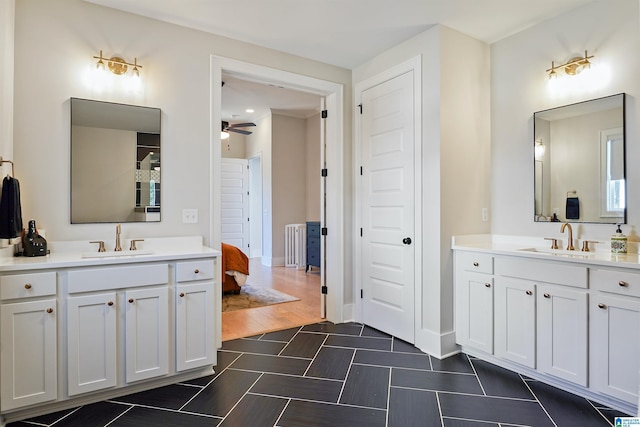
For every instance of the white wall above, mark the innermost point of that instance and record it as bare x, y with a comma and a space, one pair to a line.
7, 10
455, 162
609, 29
234, 147
289, 177
54, 45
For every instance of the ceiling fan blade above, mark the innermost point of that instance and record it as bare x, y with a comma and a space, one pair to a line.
241, 125
244, 132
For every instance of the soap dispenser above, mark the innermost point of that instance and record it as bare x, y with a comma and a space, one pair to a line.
618, 242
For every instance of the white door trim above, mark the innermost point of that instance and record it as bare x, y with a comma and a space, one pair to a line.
415, 65
334, 221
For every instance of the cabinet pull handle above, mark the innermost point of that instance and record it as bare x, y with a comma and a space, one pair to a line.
487, 285
601, 305
110, 303
547, 296
529, 293
27, 286
181, 294
131, 300
196, 271
623, 283
475, 264
49, 310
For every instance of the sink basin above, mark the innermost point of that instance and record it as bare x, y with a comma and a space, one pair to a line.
112, 254
560, 252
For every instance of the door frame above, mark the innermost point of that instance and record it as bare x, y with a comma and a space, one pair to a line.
255, 215
335, 217
415, 65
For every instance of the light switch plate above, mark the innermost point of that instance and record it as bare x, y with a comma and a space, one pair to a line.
189, 216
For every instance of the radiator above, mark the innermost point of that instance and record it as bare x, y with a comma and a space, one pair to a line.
295, 247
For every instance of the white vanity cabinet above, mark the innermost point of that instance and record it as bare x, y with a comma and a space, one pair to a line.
78, 328
91, 342
571, 320
541, 316
194, 302
614, 325
139, 295
474, 300
28, 339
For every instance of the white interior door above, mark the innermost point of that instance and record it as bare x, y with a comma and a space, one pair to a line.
388, 207
234, 203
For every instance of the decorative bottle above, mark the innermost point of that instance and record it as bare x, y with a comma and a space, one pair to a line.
33, 244
618, 242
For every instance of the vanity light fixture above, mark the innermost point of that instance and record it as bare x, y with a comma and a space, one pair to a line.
572, 67
118, 65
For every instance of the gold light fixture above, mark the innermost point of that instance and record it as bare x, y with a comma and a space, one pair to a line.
572, 67
118, 65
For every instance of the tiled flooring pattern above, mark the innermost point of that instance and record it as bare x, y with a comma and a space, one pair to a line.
341, 375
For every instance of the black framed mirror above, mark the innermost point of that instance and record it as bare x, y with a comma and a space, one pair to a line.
579, 162
115, 162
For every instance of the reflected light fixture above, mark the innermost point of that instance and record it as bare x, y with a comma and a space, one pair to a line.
572, 67
538, 148
117, 65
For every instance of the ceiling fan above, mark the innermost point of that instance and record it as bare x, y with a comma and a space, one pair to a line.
236, 128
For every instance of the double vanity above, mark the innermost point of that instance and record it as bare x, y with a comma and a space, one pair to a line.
569, 318
80, 326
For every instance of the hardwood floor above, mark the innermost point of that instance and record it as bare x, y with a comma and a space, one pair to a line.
306, 286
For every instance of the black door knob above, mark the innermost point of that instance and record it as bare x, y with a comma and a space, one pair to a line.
406, 240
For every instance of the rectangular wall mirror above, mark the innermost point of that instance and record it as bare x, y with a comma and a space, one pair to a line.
579, 162
115, 162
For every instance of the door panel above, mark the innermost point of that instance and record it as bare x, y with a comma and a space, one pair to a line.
388, 208
234, 201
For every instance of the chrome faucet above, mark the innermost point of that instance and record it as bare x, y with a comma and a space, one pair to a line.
118, 247
570, 244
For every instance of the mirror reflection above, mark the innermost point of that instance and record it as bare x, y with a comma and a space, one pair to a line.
579, 165
115, 162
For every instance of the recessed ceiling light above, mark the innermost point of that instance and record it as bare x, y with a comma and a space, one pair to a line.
249, 110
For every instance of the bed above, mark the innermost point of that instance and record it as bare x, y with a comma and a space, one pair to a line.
235, 266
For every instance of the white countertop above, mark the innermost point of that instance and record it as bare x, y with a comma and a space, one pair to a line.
80, 253
539, 248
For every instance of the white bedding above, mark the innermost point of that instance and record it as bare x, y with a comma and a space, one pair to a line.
241, 278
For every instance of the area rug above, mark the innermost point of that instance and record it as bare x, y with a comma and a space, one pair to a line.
252, 296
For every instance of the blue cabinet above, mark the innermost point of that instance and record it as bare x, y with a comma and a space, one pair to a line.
313, 244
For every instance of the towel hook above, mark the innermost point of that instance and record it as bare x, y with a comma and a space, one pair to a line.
2, 161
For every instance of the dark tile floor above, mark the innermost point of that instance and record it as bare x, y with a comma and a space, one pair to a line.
341, 375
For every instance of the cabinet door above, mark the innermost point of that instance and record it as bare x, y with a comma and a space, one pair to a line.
474, 310
28, 353
515, 320
91, 342
562, 332
194, 326
615, 346
146, 333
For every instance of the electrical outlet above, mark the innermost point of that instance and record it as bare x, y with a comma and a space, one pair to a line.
189, 216
485, 214
556, 211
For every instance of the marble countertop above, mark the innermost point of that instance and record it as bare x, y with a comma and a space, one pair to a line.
85, 254
539, 248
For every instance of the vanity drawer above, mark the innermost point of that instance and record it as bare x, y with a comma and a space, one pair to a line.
98, 279
27, 285
475, 261
189, 271
543, 271
616, 281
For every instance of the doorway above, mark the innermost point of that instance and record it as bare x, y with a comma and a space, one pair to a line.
333, 219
